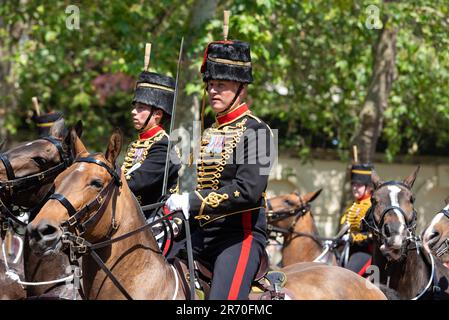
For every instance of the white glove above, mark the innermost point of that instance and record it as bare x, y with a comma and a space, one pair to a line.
179, 202
346, 237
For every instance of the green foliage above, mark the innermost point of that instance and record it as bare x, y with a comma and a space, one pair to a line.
312, 64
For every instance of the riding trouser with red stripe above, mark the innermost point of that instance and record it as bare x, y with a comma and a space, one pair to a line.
234, 261
360, 258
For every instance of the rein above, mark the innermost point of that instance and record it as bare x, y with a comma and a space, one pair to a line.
79, 245
274, 216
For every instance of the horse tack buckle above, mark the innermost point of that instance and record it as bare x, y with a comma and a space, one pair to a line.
80, 245
41, 176
71, 221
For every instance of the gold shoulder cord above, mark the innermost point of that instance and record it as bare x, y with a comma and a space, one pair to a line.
138, 144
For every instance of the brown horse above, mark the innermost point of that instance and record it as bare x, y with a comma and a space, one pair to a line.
90, 201
436, 235
291, 215
27, 173
402, 262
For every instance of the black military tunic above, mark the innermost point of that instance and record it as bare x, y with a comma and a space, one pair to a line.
150, 151
235, 158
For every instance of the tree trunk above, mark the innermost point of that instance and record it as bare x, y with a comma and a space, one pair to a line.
376, 102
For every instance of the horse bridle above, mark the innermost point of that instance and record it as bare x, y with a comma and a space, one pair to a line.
375, 226
274, 216
443, 248
98, 204
22, 184
81, 246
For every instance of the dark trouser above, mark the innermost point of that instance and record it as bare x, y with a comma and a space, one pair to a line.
234, 270
359, 259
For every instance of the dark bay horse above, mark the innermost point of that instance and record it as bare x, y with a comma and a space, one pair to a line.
93, 212
403, 263
27, 173
436, 235
291, 215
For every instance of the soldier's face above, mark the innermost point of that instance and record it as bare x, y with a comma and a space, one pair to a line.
140, 114
221, 93
359, 190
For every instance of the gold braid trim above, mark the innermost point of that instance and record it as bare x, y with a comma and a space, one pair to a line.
213, 199
212, 164
138, 144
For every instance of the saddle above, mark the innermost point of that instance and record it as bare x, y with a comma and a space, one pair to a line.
267, 285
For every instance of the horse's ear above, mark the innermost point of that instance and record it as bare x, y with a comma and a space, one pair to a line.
74, 143
114, 146
410, 180
375, 179
312, 196
79, 128
58, 129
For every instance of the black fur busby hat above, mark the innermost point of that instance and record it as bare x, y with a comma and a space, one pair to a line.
156, 90
227, 60
45, 121
361, 173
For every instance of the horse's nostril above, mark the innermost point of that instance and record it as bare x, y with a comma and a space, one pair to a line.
47, 230
387, 231
33, 233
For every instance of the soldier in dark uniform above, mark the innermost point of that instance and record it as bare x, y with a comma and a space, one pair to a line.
45, 121
233, 167
360, 251
145, 159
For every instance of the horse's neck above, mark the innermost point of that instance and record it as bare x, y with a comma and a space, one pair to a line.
136, 262
408, 276
299, 248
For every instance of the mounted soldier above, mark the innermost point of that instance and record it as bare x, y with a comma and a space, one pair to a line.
228, 206
145, 159
360, 248
46, 120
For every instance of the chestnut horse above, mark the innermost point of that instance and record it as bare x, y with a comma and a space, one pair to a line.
436, 235
291, 216
403, 263
27, 173
91, 202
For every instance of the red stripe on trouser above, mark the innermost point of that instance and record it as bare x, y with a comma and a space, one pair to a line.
167, 243
363, 270
243, 258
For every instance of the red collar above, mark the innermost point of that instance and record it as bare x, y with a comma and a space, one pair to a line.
364, 197
232, 115
150, 133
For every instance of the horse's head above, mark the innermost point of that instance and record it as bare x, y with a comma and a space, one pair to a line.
81, 199
26, 168
285, 209
436, 235
392, 215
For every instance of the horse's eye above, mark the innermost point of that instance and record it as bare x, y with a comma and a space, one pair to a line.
96, 184
412, 199
288, 203
39, 161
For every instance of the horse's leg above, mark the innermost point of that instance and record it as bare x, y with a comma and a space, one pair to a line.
9, 289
